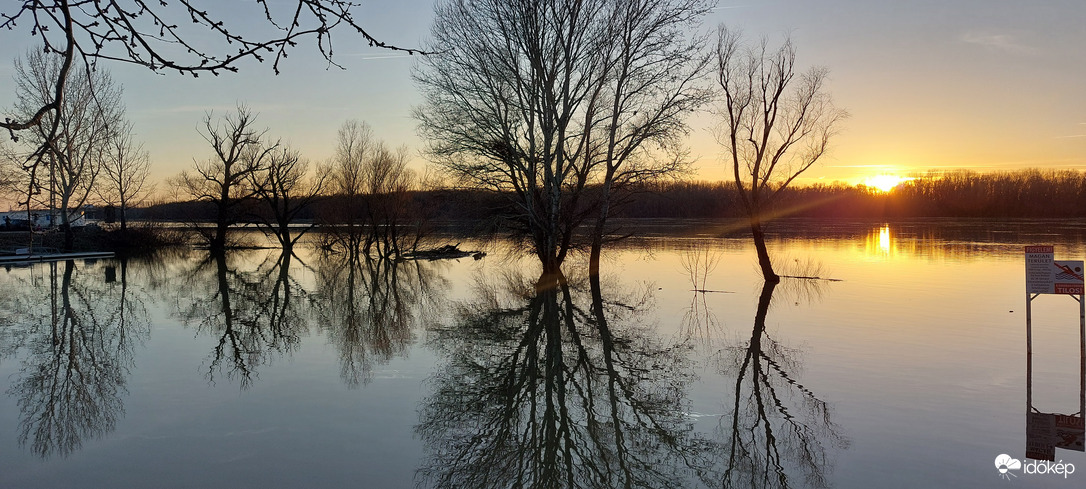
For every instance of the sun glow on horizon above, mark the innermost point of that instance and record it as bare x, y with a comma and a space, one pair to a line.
885, 182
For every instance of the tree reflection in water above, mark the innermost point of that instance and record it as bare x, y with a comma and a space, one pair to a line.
776, 427
544, 387
76, 336
369, 308
254, 314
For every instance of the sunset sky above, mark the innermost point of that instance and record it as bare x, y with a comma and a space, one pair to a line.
982, 84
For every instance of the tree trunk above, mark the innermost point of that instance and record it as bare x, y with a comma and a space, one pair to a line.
218, 241
69, 236
547, 249
65, 223
551, 265
597, 234
763, 309
284, 234
763, 254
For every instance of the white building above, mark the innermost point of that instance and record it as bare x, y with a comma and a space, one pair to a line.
41, 218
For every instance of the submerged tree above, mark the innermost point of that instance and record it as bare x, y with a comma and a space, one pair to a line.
777, 124
224, 180
548, 101
286, 188
369, 213
652, 83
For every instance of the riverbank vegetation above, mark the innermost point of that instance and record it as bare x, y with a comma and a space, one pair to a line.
1030, 193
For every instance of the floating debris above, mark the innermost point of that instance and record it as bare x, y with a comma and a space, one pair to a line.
444, 253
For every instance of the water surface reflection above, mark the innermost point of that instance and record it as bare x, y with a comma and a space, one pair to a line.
476, 373
76, 334
251, 313
778, 433
370, 309
557, 383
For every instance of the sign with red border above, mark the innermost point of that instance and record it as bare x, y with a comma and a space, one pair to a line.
1044, 275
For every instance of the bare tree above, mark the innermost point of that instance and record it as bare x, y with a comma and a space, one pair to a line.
11, 174
356, 144
544, 101
389, 209
223, 180
125, 167
777, 124
85, 124
286, 188
369, 213
167, 35
506, 104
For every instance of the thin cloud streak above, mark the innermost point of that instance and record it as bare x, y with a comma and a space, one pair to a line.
365, 56
186, 109
1001, 42
860, 166
217, 109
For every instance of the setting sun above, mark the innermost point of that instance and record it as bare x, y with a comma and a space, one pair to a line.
884, 182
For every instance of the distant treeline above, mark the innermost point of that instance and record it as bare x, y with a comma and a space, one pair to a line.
959, 193
1023, 193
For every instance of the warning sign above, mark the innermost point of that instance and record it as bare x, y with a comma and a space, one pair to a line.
1067, 277
1044, 275
1039, 270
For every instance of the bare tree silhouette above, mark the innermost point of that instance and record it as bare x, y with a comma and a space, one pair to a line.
776, 124
558, 104
225, 180
125, 168
369, 214
75, 136
286, 188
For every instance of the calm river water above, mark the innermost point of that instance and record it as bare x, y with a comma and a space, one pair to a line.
904, 365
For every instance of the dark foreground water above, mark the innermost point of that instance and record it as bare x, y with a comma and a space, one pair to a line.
252, 369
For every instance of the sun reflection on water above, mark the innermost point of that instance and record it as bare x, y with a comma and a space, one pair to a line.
880, 241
